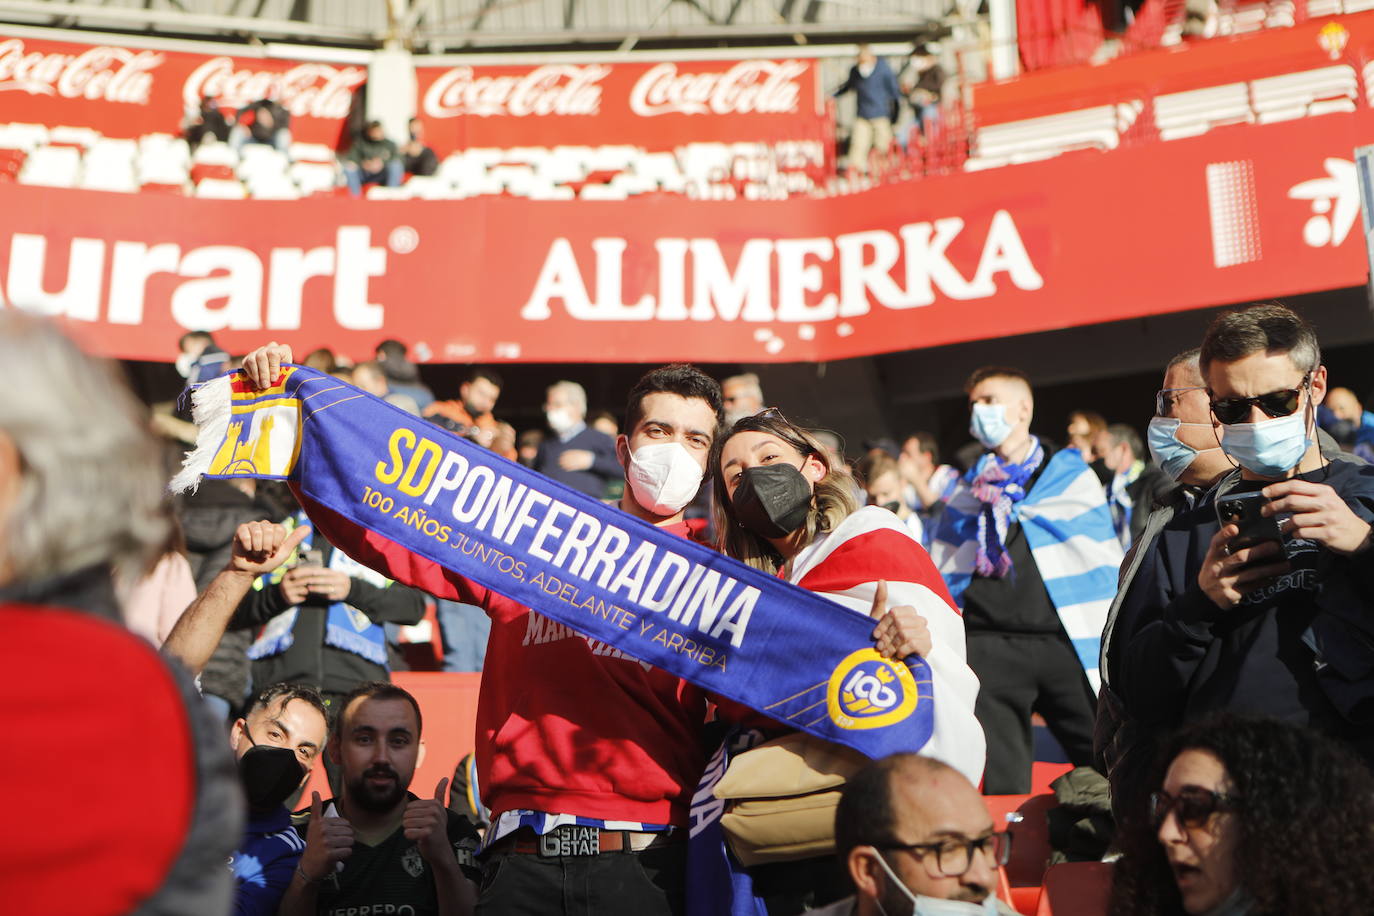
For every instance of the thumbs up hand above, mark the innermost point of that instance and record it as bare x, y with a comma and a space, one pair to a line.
328, 840
901, 631
426, 824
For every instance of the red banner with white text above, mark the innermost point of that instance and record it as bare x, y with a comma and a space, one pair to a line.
129, 91
1241, 213
656, 106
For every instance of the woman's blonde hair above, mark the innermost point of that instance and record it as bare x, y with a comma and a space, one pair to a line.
832, 503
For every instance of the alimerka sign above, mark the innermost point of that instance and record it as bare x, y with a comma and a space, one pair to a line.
1244, 213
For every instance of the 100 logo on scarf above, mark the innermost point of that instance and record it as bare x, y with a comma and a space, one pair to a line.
867, 690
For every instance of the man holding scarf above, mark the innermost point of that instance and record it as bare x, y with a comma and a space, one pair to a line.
588, 758
1028, 550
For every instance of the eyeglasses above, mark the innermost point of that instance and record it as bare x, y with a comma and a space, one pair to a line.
1279, 403
1165, 399
1193, 806
770, 413
953, 857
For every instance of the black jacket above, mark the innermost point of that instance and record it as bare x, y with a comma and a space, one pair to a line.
605, 466
1181, 656
309, 660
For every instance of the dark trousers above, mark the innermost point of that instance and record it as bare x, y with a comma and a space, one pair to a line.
1020, 675
647, 883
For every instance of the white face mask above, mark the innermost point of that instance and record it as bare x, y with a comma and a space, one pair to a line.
664, 477
184, 363
934, 906
560, 420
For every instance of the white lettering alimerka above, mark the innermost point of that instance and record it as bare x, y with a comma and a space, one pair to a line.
860, 265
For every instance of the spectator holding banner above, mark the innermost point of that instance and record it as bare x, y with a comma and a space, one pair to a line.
784, 506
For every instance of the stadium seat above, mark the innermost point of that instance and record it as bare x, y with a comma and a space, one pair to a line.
212, 152
611, 158
433, 187
516, 179
601, 192
310, 152
1076, 889
1030, 845
26, 137
11, 161
84, 137
221, 189
381, 192
312, 177
52, 166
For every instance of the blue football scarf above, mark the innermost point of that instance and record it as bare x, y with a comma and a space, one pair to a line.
419, 504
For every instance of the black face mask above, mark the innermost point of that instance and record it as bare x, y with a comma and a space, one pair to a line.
772, 500
894, 506
1104, 473
269, 775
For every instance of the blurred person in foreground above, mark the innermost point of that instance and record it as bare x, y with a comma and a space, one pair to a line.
80, 500
1251, 817
916, 838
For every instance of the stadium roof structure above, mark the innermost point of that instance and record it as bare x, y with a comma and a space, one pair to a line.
438, 26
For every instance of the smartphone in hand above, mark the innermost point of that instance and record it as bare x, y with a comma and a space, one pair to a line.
1243, 511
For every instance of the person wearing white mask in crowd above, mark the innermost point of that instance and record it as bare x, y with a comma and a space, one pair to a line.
577, 455
916, 838
1027, 548
1257, 599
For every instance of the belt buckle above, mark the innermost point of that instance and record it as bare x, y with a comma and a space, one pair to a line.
570, 840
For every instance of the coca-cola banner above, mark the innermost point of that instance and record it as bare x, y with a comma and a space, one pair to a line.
652, 105
1235, 215
129, 91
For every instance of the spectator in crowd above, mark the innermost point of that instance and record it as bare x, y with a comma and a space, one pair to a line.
603, 421
370, 378
322, 616
576, 454
1253, 817
551, 705
375, 847
1183, 442
81, 501
322, 360
372, 159
470, 415
922, 80
882, 483
416, 157
912, 832
276, 743
875, 87
1082, 431
928, 482
264, 121
1134, 486
1026, 545
200, 359
153, 602
783, 504
1275, 623
206, 120
1345, 418
743, 397
527, 446
402, 375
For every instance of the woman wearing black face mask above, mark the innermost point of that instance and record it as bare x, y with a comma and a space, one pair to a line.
782, 508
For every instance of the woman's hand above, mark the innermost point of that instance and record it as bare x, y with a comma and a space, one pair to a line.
901, 631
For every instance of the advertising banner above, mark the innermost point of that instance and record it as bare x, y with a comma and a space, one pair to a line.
1242, 213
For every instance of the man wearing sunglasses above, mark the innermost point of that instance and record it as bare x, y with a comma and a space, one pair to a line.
1271, 625
917, 839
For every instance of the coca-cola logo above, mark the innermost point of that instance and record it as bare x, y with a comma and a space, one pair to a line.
749, 87
110, 74
556, 89
307, 90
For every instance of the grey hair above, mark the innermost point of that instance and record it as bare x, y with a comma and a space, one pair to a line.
574, 391
91, 481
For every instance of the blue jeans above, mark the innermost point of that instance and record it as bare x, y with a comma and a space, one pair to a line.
389, 176
464, 629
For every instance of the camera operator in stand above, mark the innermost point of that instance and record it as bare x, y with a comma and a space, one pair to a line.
1258, 598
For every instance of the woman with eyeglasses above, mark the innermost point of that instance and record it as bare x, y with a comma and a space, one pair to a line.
1253, 817
784, 506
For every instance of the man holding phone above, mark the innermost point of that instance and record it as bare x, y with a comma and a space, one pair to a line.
1258, 597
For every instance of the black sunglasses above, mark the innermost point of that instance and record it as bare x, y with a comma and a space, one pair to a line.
1193, 806
1165, 399
1279, 403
